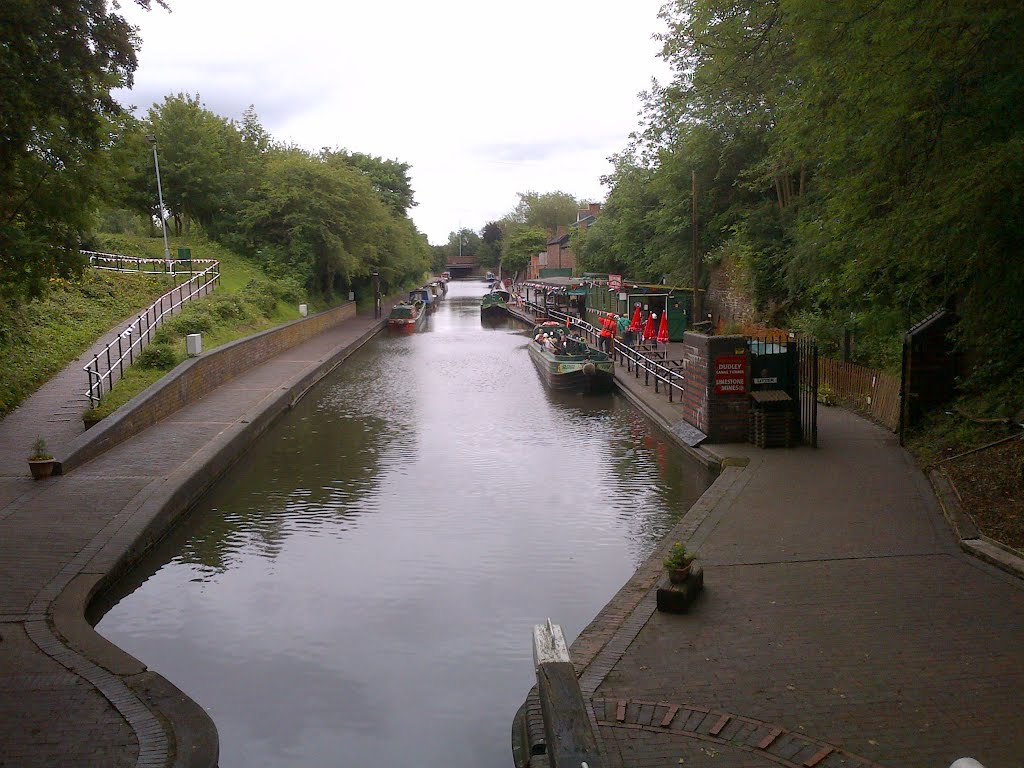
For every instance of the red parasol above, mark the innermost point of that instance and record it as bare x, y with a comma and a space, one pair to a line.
663, 329
649, 332
634, 325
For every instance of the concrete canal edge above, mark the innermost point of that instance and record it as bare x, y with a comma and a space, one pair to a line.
149, 516
602, 642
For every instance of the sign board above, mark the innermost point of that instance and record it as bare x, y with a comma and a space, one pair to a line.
767, 380
730, 374
615, 282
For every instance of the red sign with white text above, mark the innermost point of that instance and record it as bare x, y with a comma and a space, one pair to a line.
730, 374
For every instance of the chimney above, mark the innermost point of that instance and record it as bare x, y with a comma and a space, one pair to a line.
593, 209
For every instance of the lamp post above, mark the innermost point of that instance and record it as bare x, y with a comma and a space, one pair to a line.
160, 194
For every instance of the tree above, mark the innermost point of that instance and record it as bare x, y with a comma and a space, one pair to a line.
390, 178
57, 68
549, 210
519, 247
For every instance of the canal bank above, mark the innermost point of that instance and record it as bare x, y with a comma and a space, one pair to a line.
71, 697
840, 624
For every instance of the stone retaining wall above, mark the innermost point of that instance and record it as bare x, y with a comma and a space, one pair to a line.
194, 379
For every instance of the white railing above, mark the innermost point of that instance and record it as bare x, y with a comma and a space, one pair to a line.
115, 262
636, 362
107, 366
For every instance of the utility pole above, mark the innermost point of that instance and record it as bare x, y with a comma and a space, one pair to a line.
160, 194
696, 255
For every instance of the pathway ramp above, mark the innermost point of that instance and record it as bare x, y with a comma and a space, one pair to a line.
67, 697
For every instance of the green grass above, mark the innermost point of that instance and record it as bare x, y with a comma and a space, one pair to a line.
40, 337
246, 302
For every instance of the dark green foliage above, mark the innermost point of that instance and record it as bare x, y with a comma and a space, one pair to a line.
58, 65
158, 356
230, 307
194, 318
866, 162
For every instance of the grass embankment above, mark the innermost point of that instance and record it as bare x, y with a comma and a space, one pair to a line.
246, 302
39, 338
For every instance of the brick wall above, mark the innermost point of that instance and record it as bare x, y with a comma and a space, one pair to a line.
725, 299
723, 417
196, 378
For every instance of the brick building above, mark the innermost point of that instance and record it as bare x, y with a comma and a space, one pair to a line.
557, 253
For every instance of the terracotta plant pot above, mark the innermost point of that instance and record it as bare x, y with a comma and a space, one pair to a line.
679, 575
41, 467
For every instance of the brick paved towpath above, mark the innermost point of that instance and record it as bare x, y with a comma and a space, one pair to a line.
67, 697
840, 624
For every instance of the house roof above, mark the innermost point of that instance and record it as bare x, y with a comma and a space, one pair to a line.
560, 240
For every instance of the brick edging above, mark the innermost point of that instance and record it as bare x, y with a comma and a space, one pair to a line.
969, 536
773, 742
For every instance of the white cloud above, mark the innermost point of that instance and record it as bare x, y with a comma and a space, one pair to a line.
483, 99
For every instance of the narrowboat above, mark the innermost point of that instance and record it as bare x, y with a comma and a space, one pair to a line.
565, 362
425, 296
407, 316
493, 306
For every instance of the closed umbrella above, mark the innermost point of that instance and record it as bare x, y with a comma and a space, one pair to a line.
649, 331
663, 329
634, 324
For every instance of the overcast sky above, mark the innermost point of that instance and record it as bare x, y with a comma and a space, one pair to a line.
483, 99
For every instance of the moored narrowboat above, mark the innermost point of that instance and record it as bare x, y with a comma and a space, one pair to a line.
407, 316
567, 363
493, 306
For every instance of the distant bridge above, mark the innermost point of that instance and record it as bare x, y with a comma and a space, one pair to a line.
461, 266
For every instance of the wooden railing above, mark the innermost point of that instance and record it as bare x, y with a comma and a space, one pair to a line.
865, 390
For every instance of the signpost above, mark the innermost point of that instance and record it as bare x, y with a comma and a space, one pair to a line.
730, 374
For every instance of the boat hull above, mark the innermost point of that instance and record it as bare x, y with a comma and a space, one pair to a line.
573, 373
495, 311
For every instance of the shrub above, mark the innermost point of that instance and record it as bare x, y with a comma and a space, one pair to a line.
262, 295
159, 356
193, 319
229, 307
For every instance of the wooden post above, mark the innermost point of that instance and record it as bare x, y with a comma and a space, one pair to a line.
571, 741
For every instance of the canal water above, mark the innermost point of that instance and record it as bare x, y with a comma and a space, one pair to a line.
361, 588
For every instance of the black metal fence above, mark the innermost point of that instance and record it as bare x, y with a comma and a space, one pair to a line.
789, 362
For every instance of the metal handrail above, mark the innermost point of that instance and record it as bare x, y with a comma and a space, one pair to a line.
140, 331
635, 360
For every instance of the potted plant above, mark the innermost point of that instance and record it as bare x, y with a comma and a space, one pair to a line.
678, 563
41, 462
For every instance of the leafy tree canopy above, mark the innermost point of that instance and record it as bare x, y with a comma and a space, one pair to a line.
58, 65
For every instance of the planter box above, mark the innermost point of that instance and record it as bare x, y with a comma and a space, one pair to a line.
676, 598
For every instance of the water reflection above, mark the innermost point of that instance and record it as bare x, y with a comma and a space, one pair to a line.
360, 589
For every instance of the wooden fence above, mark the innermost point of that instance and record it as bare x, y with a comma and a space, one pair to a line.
865, 390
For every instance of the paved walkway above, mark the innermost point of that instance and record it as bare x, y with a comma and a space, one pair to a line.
67, 697
840, 624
